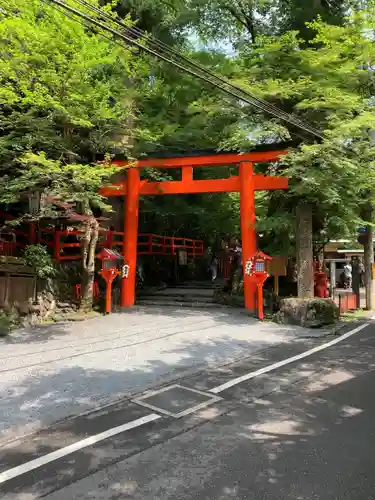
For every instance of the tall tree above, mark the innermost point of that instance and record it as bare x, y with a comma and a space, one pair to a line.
329, 84
243, 21
63, 105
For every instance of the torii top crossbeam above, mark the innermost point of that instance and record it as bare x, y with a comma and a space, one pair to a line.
246, 183
189, 185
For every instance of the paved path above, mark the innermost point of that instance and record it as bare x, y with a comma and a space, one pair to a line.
59, 371
297, 430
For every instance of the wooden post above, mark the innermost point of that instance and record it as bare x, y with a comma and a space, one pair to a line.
248, 231
32, 234
57, 244
369, 271
276, 285
187, 174
356, 282
108, 298
260, 302
110, 239
130, 236
304, 247
109, 275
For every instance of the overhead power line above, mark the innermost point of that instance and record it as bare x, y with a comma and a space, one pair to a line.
172, 53
158, 49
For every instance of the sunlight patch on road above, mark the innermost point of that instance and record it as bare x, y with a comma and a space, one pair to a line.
229, 492
272, 429
330, 379
350, 411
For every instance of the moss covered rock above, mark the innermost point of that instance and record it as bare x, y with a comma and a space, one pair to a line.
309, 313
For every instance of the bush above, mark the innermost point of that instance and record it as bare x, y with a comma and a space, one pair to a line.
8, 321
40, 261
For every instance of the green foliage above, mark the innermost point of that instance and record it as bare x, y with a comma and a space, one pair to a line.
65, 103
37, 258
8, 322
74, 183
244, 21
69, 97
64, 98
329, 84
62, 89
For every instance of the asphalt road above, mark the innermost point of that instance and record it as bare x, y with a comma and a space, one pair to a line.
302, 431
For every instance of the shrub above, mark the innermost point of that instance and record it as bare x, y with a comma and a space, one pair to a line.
8, 321
38, 258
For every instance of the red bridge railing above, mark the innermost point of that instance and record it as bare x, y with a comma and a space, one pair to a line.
155, 244
66, 245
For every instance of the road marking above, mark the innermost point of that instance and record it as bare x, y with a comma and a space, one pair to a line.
84, 443
279, 364
79, 445
210, 399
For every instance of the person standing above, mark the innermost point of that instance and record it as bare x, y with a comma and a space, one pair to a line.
361, 274
347, 275
213, 267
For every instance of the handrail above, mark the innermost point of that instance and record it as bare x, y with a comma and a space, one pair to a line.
148, 243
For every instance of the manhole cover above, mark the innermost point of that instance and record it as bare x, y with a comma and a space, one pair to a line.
176, 400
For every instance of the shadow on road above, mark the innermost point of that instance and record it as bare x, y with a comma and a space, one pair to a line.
272, 441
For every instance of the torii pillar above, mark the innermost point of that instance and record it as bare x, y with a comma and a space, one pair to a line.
248, 229
133, 185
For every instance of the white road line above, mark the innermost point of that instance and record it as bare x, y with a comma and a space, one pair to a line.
84, 443
270, 368
79, 445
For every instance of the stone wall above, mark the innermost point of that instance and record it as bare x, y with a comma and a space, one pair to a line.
34, 300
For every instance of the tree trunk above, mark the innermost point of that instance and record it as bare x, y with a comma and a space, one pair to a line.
304, 250
369, 262
88, 264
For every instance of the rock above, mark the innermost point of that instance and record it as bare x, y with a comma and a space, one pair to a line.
23, 308
35, 308
309, 313
49, 297
64, 306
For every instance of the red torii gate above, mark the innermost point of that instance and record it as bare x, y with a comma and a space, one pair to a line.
246, 184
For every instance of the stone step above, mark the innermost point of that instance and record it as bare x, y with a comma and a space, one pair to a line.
176, 298
187, 304
178, 293
204, 285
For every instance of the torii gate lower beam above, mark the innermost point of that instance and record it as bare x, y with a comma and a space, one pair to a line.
246, 184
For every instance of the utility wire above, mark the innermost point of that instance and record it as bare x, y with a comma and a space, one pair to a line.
244, 95
112, 40
264, 105
158, 44
207, 76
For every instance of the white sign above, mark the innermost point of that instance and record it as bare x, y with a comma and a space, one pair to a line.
248, 268
125, 271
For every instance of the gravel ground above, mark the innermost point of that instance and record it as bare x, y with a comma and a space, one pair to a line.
53, 372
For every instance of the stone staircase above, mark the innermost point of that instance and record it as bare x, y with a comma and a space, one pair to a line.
192, 294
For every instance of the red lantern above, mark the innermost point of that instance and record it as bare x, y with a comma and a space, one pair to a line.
256, 268
109, 270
